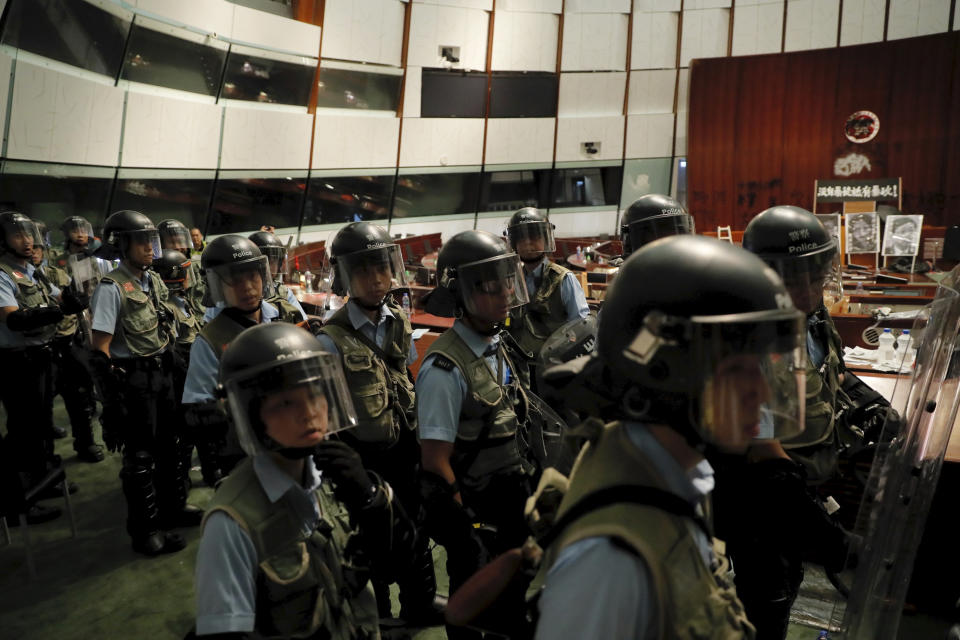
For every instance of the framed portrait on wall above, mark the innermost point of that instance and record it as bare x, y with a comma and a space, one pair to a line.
863, 232
831, 222
901, 237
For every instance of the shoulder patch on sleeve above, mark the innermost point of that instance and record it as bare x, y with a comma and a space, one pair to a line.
443, 362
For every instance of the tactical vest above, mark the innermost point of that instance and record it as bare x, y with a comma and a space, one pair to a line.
58, 257
220, 332
31, 295
821, 392
198, 287
139, 325
486, 442
68, 326
307, 585
383, 395
532, 324
188, 323
694, 601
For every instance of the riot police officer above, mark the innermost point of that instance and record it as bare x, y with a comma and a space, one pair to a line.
555, 293
238, 282
374, 340
77, 234
174, 235
282, 554
632, 554
651, 217
132, 333
276, 253
470, 405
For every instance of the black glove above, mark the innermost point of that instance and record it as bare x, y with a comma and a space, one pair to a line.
112, 419
73, 302
29, 319
207, 417
351, 484
106, 377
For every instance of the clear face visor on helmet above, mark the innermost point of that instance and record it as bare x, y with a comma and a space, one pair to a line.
293, 397
753, 379
493, 286
136, 238
176, 238
530, 239
17, 232
277, 259
86, 271
645, 231
372, 272
78, 232
237, 284
807, 277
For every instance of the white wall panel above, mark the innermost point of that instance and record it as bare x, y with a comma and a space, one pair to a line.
365, 30
484, 5
704, 34
262, 139
753, 3
56, 117
496, 226
524, 41
597, 6
539, 6
934, 17
757, 28
213, 16
652, 91
413, 84
516, 140
355, 141
433, 26
683, 86
436, 142
269, 30
650, 135
6, 67
591, 94
447, 228
166, 132
706, 4
594, 42
862, 21
680, 148
811, 24
909, 18
573, 132
654, 44
956, 18
657, 5
584, 224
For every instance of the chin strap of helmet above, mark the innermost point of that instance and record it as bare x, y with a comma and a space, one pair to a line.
368, 307
536, 260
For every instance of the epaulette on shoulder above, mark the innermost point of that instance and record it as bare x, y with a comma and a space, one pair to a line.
443, 362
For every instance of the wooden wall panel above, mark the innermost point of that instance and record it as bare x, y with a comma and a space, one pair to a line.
763, 128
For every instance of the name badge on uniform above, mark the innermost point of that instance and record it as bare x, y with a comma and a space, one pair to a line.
128, 287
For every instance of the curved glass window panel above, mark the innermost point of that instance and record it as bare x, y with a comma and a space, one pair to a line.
70, 31
435, 194
590, 186
453, 94
341, 199
242, 202
512, 190
168, 61
523, 95
52, 192
645, 176
182, 195
348, 89
259, 79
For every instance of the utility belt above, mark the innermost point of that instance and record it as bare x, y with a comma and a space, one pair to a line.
30, 351
142, 363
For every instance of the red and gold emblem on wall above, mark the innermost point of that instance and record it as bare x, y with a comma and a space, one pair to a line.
861, 126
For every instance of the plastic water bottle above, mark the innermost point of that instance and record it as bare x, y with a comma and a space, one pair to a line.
405, 304
905, 347
579, 252
860, 287
886, 351
308, 278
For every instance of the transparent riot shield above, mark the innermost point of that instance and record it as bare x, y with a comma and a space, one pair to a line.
904, 476
85, 272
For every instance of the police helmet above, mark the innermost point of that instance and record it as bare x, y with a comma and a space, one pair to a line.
797, 246
279, 371
271, 247
714, 350
174, 235
15, 224
530, 234
651, 217
365, 247
230, 260
43, 233
472, 268
121, 229
174, 268
73, 224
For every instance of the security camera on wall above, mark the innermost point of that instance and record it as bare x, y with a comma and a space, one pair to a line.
591, 148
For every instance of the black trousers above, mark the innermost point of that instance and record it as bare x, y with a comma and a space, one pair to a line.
26, 385
73, 382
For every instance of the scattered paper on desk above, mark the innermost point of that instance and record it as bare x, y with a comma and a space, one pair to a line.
860, 357
418, 333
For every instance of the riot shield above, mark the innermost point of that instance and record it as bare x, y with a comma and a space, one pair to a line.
85, 272
904, 475
544, 437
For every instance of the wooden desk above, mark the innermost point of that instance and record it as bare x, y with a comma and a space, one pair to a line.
430, 321
422, 345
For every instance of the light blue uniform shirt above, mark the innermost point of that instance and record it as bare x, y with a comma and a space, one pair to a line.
8, 298
204, 367
227, 560
440, 393
571, 293
105, 309
596, 589
376, 333
213, 312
